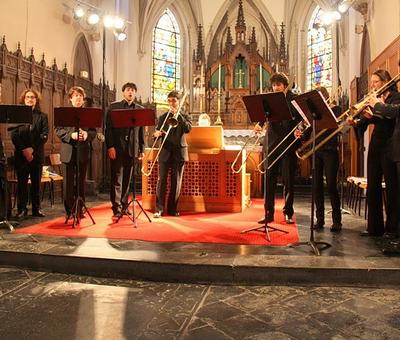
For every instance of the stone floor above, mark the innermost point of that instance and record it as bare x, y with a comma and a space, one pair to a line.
39, 305
47, 305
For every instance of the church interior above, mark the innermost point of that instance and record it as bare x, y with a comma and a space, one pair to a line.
285, 282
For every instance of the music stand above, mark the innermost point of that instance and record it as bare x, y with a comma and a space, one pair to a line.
78, 117
313, 106
14, 114
266, 108
132, 118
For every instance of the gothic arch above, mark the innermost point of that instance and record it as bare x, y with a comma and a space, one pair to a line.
82, 58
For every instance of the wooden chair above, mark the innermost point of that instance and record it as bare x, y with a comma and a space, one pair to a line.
55, 162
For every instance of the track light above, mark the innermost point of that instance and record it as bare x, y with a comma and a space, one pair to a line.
79, 12
108, 21
93, 19
119, 23
120, 34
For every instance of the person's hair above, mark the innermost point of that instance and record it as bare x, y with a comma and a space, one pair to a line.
173, 94
323, 91
129, 85
279, 77
37, 95
385, 76
77, 89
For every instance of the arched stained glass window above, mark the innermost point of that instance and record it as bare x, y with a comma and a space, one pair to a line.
319, 45
166, 57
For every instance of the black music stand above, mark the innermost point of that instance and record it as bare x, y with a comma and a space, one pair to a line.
13, 114
78, 117
266, 108
131, 119
313, 106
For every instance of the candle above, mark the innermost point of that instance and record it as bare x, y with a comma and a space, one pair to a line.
219, 89
261, 80
219, 78
201, 88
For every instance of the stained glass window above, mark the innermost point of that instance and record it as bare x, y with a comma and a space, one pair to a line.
166, 57
319, 45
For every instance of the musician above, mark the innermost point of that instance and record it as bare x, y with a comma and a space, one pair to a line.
122, 146
172, 156
391, 111
327, 161
29, 143
70, 139
378, 166
4, 198
288, 162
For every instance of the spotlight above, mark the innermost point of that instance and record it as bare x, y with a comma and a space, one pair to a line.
336, 15
108, 21
327, 18
93, 19
79, 12
119, 23
120, 35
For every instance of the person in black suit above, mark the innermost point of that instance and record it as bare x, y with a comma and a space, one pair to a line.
327, 161
123, 146
4, 198
68, 154
288, 162
29, 143
172, 156
378, 164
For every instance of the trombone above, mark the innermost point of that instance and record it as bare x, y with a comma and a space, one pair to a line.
306, 150
302, 127
172, 121
256, 133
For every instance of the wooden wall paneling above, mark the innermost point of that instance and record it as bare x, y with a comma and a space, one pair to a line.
18, 73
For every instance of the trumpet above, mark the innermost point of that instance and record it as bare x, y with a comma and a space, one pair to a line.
306, 150
255, 133
302, 127
171, 120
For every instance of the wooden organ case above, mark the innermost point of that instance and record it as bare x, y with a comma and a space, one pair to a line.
208, 184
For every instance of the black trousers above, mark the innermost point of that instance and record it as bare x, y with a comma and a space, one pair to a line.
70, 182
4, 197
121, 175
34, 171
379, 167
327, 162
288, 164
177, 168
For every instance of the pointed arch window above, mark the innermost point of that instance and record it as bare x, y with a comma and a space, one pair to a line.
319, 46
166, 72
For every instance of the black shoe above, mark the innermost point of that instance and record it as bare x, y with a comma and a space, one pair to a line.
22, 213
336, 227
157, 214
127, 212
288, 219
270, 218
367, 233
319, 225
389, 236
38, 213
174, 213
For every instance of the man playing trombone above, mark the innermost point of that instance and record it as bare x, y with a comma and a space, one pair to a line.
276, 133
172, 126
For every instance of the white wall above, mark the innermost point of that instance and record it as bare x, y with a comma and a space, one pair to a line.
384, 24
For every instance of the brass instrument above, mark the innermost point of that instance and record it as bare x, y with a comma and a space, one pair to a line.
306, 150
301, 126
258, 134
172, 121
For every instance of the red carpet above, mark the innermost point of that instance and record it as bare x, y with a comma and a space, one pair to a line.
189, 227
